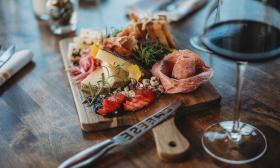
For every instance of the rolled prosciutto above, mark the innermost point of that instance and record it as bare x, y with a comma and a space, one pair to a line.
181, 71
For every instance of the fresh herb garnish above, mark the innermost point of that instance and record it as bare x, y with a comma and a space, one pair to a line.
95, 91
150, 52
103, 87
117, 66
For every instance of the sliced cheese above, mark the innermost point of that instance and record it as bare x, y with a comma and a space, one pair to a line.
92, 79
109, 58
114, 68
116, 76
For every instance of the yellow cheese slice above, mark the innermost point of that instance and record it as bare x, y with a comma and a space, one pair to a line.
116, 77
109, 58
93, 50
134, 72
114, 68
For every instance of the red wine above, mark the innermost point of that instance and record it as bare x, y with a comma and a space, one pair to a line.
243, 40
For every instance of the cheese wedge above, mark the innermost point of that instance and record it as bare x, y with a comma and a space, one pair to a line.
116, 76
92, 79
114, 68
109, 58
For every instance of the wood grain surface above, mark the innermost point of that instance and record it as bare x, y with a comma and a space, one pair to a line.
39, 126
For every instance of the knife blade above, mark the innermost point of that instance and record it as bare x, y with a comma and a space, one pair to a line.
129, 135
7, 55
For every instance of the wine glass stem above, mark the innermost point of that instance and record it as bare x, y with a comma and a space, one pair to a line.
241, 68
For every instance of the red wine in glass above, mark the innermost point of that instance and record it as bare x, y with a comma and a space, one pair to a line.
243, 40
244, 31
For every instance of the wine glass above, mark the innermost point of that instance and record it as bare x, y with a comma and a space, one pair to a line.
246, 31
195, 40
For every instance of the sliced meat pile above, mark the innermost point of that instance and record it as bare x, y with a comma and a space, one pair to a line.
181, 71
125, 43
122, 45
86, 65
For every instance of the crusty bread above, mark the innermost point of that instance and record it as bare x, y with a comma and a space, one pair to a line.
155, 27
168, 35
160, 34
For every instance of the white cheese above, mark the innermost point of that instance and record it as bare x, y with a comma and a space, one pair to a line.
109, 58
92, 79
114, 68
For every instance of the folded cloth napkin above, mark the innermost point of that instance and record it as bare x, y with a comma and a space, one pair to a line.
14, 64
173, 9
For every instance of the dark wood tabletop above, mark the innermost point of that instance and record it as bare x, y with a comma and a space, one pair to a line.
39, 126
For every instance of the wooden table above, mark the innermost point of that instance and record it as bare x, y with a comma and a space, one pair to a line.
39, 126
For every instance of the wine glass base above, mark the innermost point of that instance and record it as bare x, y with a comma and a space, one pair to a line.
243, 146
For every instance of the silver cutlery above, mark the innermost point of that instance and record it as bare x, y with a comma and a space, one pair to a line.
129, 135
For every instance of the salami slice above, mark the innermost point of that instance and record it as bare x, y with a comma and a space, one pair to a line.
181, 71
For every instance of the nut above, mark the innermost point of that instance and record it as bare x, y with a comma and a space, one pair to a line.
146, 82
124, 93
139, 85
126, 89
154, 82
153, 78
131, 93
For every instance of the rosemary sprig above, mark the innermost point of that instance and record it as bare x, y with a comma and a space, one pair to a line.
102, 86
149, 52
118, 67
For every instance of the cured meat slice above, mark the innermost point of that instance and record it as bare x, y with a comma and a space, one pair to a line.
122, 45
86, 65
183, 68
181, 72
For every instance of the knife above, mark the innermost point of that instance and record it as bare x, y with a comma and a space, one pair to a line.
129, 135
7, 55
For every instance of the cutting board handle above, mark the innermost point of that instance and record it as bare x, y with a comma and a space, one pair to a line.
170, 143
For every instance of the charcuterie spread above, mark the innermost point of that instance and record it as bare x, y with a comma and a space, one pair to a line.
125, 70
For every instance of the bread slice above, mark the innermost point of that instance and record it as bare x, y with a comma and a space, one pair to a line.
160, 34
151, 32
168, 35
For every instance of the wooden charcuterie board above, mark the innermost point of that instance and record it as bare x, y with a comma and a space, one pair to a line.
205, 96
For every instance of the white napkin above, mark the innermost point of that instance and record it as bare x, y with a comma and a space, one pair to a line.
14, 64
176, 11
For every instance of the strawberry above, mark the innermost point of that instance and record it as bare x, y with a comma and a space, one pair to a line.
147, 93
111, 103
142, 98
128, 106
103, 111
120, 98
